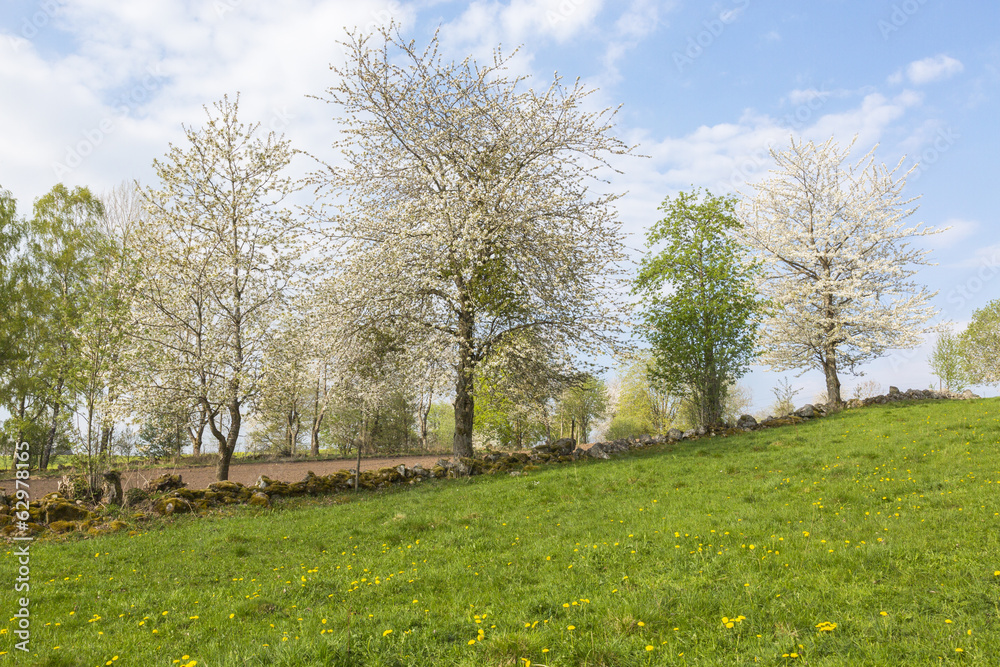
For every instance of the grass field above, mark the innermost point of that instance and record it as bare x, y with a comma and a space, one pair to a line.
871, 537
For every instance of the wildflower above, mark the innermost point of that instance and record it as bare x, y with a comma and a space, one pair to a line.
826, 626
386, 633
649, 648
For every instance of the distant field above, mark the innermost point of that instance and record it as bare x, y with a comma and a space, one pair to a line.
868, 538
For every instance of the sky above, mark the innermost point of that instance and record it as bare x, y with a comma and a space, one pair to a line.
92, 91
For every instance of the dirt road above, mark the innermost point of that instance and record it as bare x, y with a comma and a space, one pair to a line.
245, 473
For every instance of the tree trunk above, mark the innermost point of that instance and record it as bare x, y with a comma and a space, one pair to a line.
465, 412
50, 439
227, 442
107, 432
465, 407
423, 413
318, 413
832, 381
196, 435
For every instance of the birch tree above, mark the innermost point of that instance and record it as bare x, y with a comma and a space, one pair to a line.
462, 204
66, 248
838, 263
220, 254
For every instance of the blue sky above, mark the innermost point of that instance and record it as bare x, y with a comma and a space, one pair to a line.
91, 91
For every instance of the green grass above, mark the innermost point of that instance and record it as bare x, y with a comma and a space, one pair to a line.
884, 521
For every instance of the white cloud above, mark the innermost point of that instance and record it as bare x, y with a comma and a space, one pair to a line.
486, 23
935, 68
641, 19
105, 110
954, 231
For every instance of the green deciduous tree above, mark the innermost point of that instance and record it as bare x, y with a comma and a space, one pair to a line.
699, 306
66, 248
980, 345
947, 361
581, 406
639, 406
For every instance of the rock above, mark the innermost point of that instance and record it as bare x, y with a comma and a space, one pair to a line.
675, 434
62, 526
113, 494
968, 395
226, 487
893, 392
563, 446
746, 422
165, 482
403, 472
63, 510
854, 403
597, 451
259, 499
807, 411
691, 433
134, 496
167, 506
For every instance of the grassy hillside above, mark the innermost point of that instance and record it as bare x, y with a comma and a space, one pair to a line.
868, 538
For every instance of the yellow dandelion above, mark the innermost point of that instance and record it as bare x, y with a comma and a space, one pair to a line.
387, 633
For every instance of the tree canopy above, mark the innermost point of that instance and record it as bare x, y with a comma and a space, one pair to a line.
838, 264
462, 205
699, 305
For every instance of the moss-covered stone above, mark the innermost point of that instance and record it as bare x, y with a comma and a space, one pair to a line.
169, 505
165, 482
226, 487
135, 496
60, 509
62, 526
